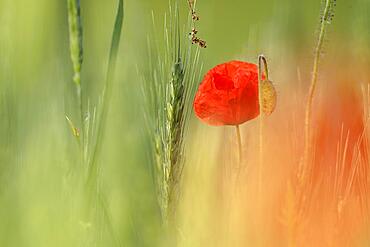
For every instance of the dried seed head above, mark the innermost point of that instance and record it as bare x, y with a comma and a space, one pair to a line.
268, 97
195, 17
202, 43
193, 34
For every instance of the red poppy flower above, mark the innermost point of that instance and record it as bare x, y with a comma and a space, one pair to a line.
228, 94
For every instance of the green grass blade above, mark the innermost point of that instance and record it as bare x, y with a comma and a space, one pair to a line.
107, 92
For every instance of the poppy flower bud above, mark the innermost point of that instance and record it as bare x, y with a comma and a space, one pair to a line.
268, 97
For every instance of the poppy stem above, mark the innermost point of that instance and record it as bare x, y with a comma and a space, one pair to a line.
262, 60
262, 70
239, 138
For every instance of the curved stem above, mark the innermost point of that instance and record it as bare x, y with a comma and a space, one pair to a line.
262, 70
308, 112
262, 61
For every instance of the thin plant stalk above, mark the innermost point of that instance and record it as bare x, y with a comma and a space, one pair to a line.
240, 148
240, 156
262, 71
325, 21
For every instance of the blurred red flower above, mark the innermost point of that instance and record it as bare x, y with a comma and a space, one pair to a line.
228, 94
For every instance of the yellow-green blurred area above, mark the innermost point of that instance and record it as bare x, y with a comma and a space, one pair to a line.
40, 200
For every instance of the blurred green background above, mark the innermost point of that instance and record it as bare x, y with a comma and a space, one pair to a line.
40, 203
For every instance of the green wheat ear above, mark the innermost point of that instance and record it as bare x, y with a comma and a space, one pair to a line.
76, 53
168, 91
75, 38
326, 19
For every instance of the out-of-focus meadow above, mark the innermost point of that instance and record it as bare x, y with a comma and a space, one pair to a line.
41, 200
